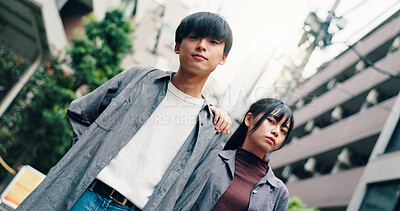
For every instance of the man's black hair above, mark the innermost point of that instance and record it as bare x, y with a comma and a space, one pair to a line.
205, 24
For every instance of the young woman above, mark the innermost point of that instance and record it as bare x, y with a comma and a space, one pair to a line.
241, 179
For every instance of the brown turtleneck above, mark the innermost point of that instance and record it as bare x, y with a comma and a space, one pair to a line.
249, 169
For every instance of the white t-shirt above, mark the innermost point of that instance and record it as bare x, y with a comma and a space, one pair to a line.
141, 163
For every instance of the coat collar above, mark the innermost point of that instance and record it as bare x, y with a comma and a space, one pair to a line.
228, 156
164, 75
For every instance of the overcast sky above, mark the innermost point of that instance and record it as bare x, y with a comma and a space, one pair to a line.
264, 28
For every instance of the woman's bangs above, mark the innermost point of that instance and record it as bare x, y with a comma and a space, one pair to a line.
283, 113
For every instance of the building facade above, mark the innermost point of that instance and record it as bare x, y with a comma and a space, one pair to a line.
154, 36
340, 113
379, 186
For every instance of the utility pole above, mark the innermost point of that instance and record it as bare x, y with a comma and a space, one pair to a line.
154, 51
317, 35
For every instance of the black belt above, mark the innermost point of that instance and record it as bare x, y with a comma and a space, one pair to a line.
108, 191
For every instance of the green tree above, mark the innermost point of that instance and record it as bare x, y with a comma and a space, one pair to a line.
97, 56
11, 69
34, 130
296, 204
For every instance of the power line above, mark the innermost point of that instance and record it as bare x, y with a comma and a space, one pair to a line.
380, 15
353, 8
372, 64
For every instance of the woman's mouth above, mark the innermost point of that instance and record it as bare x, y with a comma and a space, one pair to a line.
271, 140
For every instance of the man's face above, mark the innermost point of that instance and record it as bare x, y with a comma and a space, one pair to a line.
200, 55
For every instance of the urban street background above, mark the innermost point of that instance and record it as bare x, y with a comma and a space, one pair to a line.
335, 63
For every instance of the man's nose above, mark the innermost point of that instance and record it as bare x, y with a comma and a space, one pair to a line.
201, 46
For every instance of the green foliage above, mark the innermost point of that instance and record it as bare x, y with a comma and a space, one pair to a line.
35, 124
97, 56
296, 204
11, 69
34, 130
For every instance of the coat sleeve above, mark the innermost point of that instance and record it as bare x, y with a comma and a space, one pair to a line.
84, 111
283, 201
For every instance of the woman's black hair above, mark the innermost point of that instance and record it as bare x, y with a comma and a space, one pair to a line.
205, 24
266, 107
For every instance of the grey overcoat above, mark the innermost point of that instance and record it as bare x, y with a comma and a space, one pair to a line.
104, 121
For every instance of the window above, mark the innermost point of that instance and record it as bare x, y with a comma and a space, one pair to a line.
394, 142
382, 196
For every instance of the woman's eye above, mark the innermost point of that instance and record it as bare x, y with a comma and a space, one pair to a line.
193, 37
284, 132
270, 120
216, 42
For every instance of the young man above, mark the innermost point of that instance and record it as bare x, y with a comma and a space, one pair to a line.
146, 138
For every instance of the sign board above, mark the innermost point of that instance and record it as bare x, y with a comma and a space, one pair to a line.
26, 180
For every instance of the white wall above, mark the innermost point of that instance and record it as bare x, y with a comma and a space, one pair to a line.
54, 27
100, 7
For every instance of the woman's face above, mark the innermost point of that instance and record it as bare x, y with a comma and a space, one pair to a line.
268, 137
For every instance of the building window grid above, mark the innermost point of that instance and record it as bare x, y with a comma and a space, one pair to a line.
345, 158
292, 172
298, 172
382, 196
325, 119
394, 141
374, 56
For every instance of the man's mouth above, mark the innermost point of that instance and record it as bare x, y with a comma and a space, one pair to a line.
199, 56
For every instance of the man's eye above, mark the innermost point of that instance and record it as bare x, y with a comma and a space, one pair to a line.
215, 42
193, 37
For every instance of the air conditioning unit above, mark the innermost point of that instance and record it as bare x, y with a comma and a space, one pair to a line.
361, 65
337, 113
309, 126
310, 166
395, 45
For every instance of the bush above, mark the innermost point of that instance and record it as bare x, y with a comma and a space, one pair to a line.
35, 130
296, 204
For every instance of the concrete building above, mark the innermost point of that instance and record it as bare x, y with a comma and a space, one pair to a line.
379, 186
154, 36
34, 28
345, 142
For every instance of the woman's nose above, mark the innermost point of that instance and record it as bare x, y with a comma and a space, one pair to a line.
274, 132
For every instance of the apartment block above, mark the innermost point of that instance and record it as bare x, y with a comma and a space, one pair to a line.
340, 113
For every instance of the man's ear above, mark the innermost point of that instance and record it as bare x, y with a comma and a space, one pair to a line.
177, 48
223, 59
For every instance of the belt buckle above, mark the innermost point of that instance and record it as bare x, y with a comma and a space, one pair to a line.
121, 203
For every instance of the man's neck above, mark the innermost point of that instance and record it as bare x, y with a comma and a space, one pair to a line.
189, 84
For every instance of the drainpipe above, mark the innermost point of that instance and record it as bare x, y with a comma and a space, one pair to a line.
27, 74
